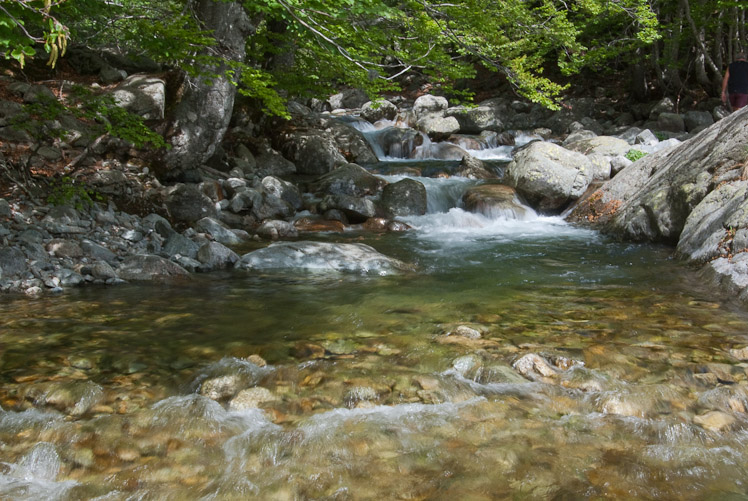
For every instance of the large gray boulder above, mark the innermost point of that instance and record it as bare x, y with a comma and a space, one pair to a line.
356, 209
179, 245
406, 197
97, 251
282, 189
378, 110
600, 150
312, 151
431, 119
600, 145
187, 204
12, 261
428, 105
671, 122
321, 257
438, 127
269, 162
274, 229
477, 119
397, 142
693, 196
651, 199
149, 267
474, 168
711, 229
349, 179
216, 256
143, 95
548, 176
729, 274
696, 121
350, 142
218, 231
349, 98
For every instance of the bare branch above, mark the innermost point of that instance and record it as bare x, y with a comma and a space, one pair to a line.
21, 26
342, 50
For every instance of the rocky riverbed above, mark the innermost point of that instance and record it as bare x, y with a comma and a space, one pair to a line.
283, 388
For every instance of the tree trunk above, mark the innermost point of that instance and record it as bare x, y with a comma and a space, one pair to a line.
638, 80
200, 119
702, 77
718, 41
672, 49
698, 38
658, 69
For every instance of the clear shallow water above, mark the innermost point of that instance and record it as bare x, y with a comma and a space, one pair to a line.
370, 399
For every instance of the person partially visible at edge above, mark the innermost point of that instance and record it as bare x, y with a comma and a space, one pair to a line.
735, 83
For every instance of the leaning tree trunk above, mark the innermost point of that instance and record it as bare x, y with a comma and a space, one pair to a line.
698, 38
200, 119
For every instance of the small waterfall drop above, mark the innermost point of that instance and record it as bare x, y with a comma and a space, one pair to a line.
396, 140
442, 194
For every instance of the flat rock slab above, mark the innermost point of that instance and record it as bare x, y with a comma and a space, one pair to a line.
323, 257
150, 267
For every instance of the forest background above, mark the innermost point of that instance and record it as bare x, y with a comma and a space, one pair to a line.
273, 50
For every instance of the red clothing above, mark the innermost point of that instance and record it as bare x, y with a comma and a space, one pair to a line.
737, 101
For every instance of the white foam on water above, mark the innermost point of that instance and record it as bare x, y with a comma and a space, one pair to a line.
15, 422
528, 388
447, 223
458, 227
34, 476
412, 418
498, 153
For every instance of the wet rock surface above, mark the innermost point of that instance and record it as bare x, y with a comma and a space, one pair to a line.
549, 176
319, 256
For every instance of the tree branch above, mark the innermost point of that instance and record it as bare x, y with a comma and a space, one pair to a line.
343, 51
699, 41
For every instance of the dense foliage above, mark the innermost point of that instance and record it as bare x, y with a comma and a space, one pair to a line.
24, 24
310, 47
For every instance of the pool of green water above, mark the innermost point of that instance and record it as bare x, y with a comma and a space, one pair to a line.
374, 393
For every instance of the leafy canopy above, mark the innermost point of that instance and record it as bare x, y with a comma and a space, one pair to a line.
311, 47
27, 23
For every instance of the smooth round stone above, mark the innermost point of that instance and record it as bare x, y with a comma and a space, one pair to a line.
252, 398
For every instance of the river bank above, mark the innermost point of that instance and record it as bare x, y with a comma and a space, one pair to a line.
129, 226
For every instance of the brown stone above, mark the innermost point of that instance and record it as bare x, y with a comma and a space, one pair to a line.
308, 224
427, 383
493, 199
307, 350
714, 420
375, 224
257, 360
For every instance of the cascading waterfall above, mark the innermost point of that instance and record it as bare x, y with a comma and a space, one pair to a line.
393, 140
446, 216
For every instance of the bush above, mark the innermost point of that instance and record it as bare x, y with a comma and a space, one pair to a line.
635, 155
66, 191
